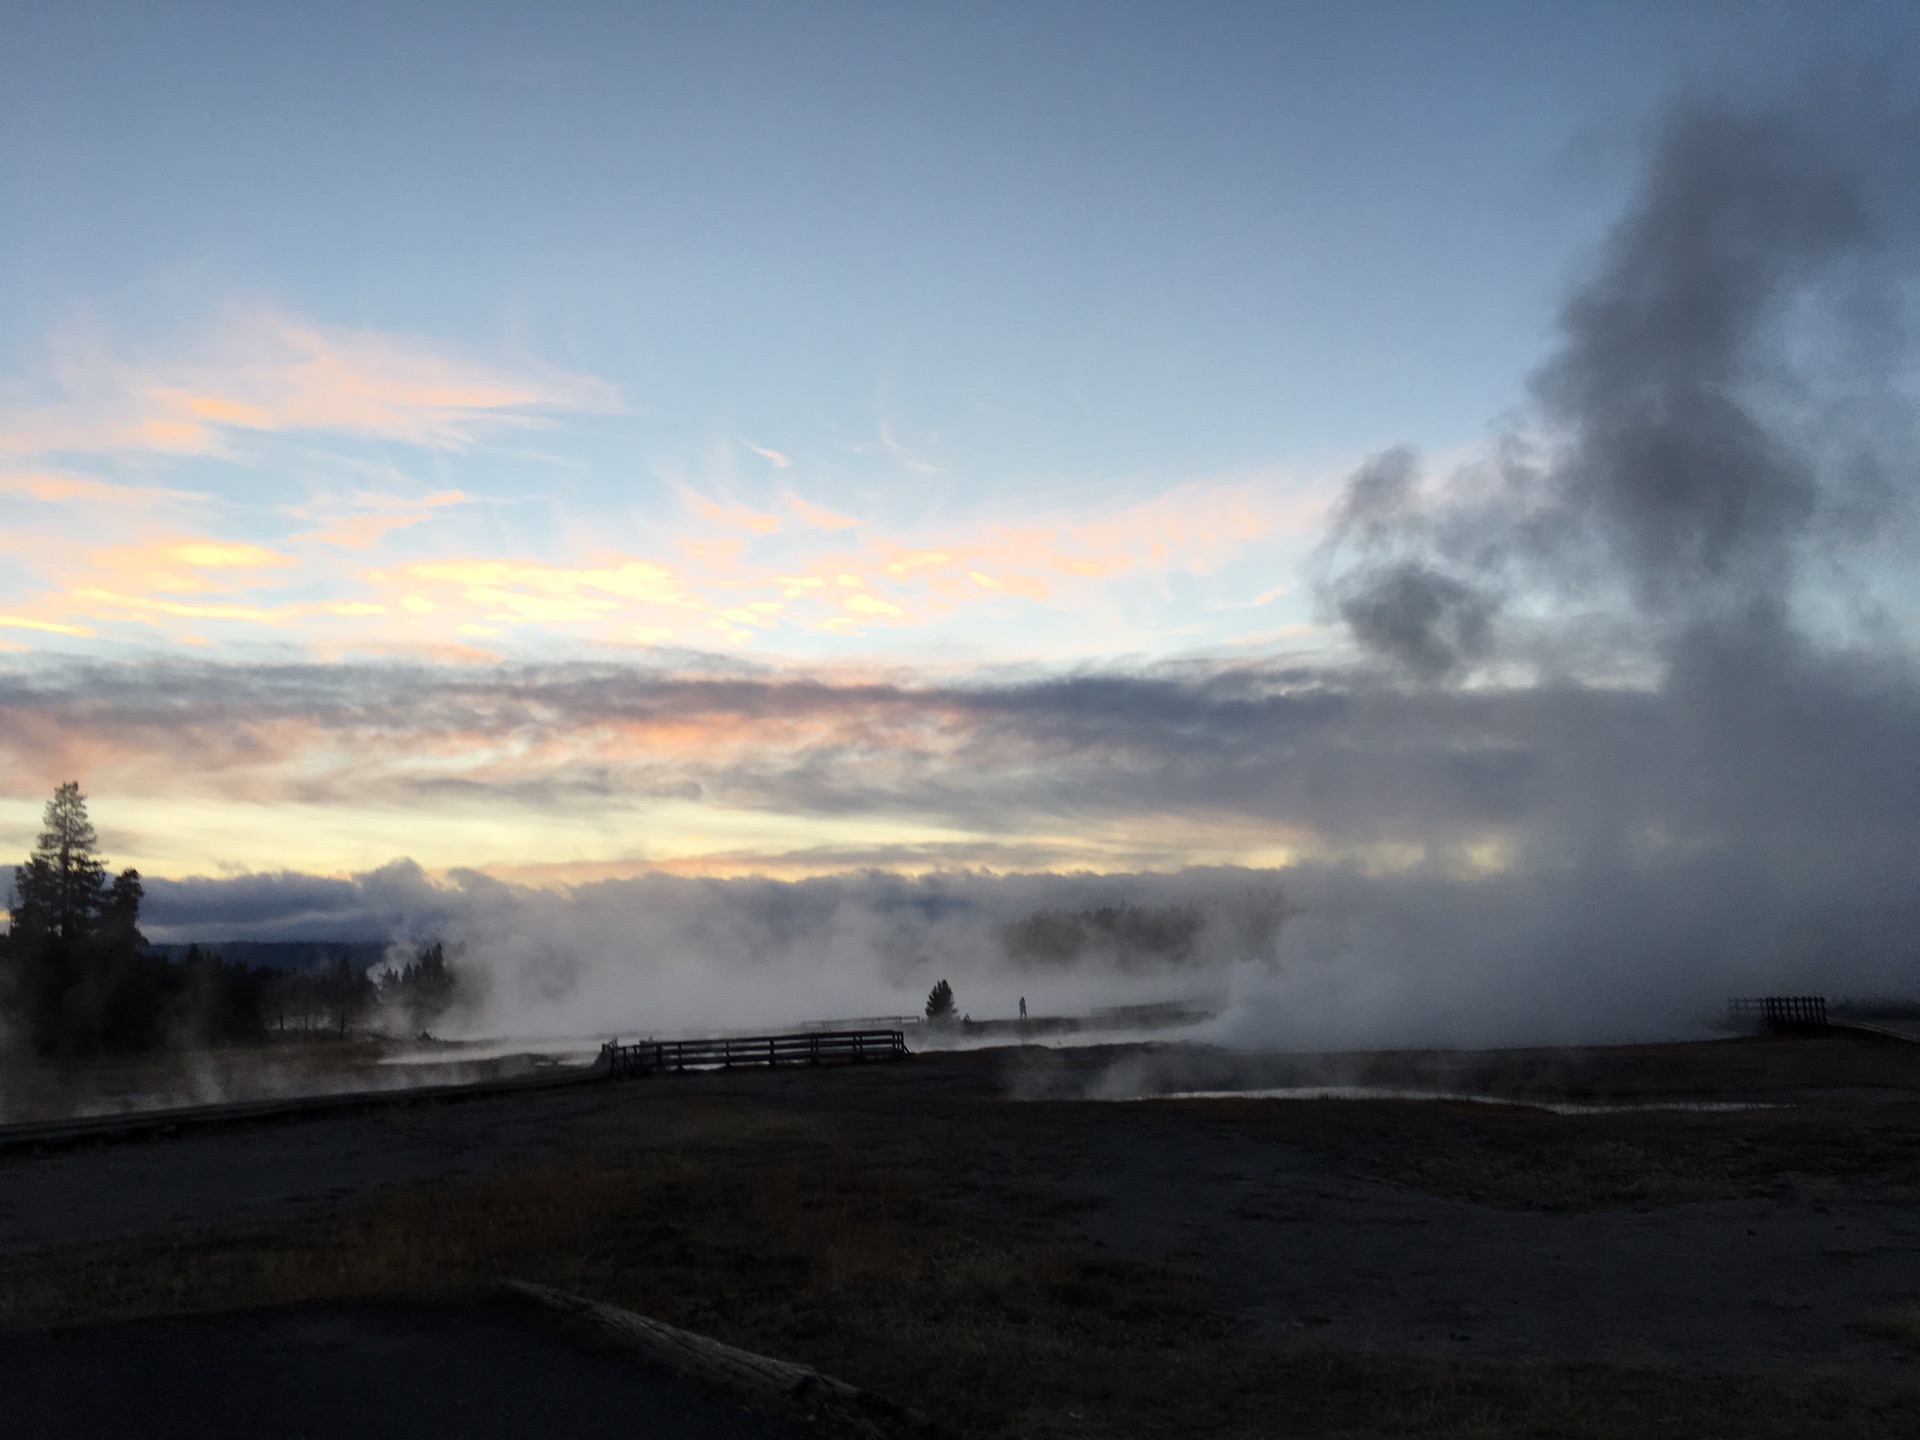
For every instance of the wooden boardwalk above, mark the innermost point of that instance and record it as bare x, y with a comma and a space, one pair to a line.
171, 1120
813, 1047
615, 1061
1809, 1015
1782, 1014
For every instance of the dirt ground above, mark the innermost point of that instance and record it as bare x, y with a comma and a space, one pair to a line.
271, 1173
1041, 1242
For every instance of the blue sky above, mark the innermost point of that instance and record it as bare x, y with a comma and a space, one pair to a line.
931, 339
1049, 244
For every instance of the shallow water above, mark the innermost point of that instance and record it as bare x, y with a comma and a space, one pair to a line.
1373, 1092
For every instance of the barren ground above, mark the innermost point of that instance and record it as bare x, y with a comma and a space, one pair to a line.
966, 1234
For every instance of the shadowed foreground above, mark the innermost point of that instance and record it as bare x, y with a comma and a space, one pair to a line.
474, 1370
966, 1235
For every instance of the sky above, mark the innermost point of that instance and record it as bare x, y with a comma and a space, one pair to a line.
549, 446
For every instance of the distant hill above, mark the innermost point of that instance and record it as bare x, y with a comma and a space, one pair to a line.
301, 955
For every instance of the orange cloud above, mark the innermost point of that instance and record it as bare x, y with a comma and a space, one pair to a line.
176, 609
268, 372
520, 592
363, 532
733, 516
161, 578
702, 578
773, 457
215, 555
364, 520
55, 488
174, 565
818, 516
50, 627
1195, 528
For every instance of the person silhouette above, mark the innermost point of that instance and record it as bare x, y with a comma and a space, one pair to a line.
1023, 1007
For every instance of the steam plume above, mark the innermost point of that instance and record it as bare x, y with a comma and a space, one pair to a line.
1635, 723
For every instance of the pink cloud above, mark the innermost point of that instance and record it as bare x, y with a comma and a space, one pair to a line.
267, 372
54, 488
772, 457
733, 516
819, 516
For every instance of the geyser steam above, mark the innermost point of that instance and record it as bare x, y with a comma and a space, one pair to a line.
1632, 722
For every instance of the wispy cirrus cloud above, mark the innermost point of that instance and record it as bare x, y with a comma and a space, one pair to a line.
267, 372
361, 521
721, 572
819, 517
775, 458
359, 566
729, 515
731, 573
56, 488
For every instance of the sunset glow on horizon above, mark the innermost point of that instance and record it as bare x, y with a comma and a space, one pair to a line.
932, 441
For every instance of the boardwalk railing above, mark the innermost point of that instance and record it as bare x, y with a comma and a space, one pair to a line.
1781, 1012
818, 1047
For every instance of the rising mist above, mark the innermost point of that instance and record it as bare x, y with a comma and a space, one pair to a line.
1629, 721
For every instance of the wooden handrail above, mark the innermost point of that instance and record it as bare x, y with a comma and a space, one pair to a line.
1782, 1012
813, 1047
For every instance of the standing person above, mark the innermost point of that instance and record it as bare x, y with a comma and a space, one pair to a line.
1023, 1007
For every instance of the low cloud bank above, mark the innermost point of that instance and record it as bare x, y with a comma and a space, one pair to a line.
660, 954
1314, 957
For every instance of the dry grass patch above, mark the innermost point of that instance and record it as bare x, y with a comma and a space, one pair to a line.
1896, 1322
804, 1233
1533, 1159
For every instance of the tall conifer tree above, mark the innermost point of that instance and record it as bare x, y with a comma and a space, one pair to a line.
63, 885
75, 966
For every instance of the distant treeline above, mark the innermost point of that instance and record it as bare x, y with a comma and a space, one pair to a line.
1134, 935
78, 978
342, 996
308, 955
1146, 938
